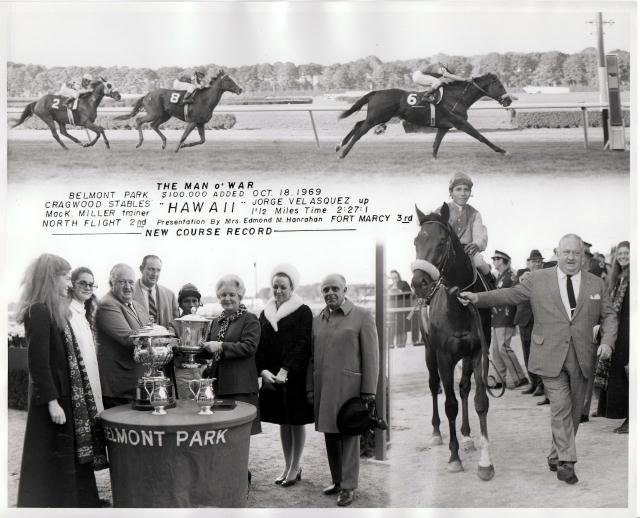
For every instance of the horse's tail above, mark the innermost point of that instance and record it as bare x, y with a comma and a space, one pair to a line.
356, 106
26, 113
136, 108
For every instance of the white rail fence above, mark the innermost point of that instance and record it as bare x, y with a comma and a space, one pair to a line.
584, 107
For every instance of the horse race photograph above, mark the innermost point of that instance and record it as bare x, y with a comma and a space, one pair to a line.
301, 255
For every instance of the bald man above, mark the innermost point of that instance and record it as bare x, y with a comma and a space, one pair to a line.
345, 365
567, 302
117, 317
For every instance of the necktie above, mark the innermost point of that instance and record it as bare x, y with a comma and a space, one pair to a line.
571, 295
153, 310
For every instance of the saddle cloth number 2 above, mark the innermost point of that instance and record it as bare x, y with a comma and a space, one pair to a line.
175, 97
56, 103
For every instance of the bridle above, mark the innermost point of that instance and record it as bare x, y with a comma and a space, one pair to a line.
497, 99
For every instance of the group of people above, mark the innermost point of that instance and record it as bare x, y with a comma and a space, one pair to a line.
563, 311
81, 361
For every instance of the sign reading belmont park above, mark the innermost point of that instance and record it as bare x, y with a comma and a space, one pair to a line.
158, 438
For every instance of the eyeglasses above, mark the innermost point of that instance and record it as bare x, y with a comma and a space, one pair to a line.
123, 283
84, 285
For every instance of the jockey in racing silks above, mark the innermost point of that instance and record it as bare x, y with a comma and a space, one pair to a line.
197, 83
466, 221
72, 90
433, 77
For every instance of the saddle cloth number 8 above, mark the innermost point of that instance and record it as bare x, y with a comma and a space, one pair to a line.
175, 97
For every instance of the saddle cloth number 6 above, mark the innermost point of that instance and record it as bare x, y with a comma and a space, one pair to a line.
412, 99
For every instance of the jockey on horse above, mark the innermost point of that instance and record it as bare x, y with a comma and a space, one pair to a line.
73, 90
433, 77
196, 83
466, 221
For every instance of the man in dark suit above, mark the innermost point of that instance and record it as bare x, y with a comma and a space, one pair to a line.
345, 365
118, 316
160, 302
567, 302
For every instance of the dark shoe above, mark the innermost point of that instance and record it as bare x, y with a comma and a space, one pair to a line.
529, 390
566, 473
545, 401
539, 391
291, 482
521, 383
280, 479
553, 464
333, 489
496, 386
584, 418
345, 497
623, 428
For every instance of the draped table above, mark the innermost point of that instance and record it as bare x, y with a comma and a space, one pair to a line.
180, 459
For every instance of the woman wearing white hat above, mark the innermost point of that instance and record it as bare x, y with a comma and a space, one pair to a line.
282, 360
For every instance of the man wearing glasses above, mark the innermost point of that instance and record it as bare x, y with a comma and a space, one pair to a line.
117, 317
345, 365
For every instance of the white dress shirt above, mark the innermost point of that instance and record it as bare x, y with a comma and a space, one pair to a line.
84, 337
562, 283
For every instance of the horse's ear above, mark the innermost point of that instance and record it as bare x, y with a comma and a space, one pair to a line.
421, 217
103, 79
444, 213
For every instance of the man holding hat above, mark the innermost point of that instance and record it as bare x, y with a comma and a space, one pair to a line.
503, 327
345, 365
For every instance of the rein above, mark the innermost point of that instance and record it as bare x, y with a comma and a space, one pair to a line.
484, 91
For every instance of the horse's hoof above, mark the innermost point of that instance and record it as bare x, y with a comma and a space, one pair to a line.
486, 472
86, 144
467, 444
338, 146
164, 145
455, 466
138, 145
436, 440
505, 153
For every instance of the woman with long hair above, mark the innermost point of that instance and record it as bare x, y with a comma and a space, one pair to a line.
83, 308
62, 443
282, 358
614, 400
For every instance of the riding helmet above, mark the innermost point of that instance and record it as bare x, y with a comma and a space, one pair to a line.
460, 179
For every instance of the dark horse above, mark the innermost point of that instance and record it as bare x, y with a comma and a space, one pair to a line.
451, 111
51, 108
162, 104
451, 332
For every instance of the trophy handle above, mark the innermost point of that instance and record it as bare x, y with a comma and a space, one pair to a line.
153, 387
195, 394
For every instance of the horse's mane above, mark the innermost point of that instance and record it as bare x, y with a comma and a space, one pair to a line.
455, 240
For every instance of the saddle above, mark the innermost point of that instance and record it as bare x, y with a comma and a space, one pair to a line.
432, 98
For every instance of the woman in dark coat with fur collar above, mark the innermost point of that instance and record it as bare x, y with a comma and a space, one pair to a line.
282, 359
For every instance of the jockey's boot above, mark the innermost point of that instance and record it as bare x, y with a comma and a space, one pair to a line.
428, 97
188, 98
69, 102
488, 280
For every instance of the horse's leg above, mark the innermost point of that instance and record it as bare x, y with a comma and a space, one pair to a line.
465, 388
464, 125
436, 143
99, 131
63, 131
349, 135
434, 385
358, 134
451, 409
187, 130
149, 117
52, 128
155, 125
486, 470
200, 128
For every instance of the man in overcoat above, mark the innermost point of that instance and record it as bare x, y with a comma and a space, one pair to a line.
160, 302
567, 303
118, 316
345, 364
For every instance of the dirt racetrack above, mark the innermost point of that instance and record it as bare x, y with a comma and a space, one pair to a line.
34, 155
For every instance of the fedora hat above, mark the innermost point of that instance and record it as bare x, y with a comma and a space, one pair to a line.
353, 417
535, 255
501, 255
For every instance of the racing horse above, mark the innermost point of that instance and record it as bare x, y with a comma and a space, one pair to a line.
51, 108
452, 332
450, 111
161, 104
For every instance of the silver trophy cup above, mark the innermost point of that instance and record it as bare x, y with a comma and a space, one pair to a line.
204, 396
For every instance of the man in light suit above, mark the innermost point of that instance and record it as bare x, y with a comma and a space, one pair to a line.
118, 316
345, 364
160, 302
567, 302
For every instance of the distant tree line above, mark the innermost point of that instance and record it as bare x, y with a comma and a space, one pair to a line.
514, 69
